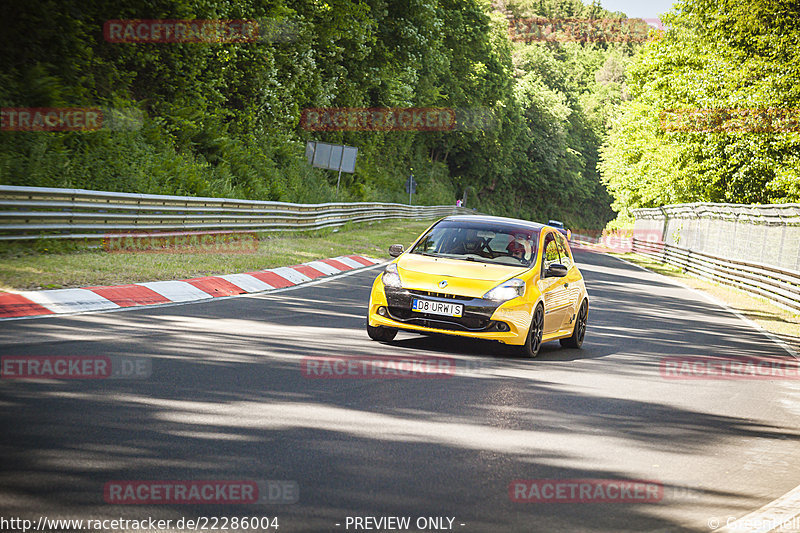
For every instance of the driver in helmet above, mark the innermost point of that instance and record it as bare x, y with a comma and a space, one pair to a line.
520, 247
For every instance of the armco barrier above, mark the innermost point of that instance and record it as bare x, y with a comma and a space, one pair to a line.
779, 285
39, 212
753, 247
766, 234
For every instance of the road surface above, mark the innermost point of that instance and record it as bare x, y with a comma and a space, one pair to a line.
227, 399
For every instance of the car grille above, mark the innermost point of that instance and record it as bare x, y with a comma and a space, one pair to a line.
476, 315
464, 323
441, 295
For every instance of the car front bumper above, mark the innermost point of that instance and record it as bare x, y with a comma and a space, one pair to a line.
506, 322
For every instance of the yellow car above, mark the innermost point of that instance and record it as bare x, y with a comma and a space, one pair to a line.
483, 277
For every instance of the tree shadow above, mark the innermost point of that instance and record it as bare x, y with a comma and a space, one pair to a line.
227, 399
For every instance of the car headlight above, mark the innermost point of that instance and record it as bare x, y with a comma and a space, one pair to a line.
391, 278
506, 291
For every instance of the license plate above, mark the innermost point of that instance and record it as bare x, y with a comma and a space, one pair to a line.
437, 308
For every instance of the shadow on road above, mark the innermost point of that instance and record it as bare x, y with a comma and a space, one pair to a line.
227, 400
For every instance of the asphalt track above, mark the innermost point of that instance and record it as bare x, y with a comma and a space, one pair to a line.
227, 400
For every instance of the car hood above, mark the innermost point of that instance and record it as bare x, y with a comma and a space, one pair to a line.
465, 278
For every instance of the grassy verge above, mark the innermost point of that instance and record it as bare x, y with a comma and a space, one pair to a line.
782, 323
52, 265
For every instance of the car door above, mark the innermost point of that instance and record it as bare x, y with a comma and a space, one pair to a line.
556, 294
571, 286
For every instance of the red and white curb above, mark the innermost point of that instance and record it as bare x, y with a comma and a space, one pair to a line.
60, 301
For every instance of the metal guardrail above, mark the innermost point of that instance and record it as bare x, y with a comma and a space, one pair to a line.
40, 212
768, 214
768, 234
753, 247
780, 285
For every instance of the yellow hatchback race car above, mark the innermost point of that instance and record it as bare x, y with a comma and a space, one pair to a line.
483, 277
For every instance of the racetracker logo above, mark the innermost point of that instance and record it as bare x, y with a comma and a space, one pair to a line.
367, 367
617, 241
219, 31
87, 119
585, 491
729, 368
731, 120
74, 367
535, 29
204, 492
183, 242
181, 31
395, 119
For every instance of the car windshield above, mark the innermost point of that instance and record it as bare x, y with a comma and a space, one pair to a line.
487, 242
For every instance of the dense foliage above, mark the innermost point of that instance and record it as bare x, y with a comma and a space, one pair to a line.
740, 57
224, 119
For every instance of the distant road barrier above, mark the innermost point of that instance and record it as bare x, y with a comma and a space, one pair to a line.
40, 212
753, 247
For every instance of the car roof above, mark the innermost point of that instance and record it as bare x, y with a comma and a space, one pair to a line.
494, 220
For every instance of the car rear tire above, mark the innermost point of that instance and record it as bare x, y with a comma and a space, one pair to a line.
534, 340
381, 333
579, 331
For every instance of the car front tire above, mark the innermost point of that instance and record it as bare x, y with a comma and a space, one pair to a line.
579, 331
381, 333
534, 340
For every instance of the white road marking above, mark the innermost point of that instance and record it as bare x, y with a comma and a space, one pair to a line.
247, 283
349, 262
69, 300
176, 291
291, 274
323, 267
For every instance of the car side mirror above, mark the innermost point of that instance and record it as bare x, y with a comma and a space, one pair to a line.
396, 249
556, 270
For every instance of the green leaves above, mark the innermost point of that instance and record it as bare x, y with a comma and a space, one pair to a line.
741, 56
223, 119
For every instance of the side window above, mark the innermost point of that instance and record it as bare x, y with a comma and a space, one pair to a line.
550, 252
566, 260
